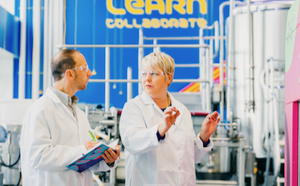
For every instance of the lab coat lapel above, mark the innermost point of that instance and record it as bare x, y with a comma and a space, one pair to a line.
179, 106
148, 100
57, 101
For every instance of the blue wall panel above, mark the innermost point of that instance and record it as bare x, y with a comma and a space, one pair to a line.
42, 46
9, 32
29, 47
16, 78
3, 14
10, 40
89, 25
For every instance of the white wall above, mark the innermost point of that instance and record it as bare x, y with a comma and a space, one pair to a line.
6, 74
13, 111
8, 5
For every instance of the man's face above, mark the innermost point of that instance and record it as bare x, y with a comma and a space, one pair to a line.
81, 76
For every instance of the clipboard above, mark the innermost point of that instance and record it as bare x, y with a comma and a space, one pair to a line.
91, 157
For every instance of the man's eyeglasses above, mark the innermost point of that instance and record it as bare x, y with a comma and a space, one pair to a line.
153, 74
84, 68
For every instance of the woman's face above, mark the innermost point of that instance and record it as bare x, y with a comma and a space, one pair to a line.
154, 82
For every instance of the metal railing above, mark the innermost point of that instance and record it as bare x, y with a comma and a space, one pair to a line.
206, 57
273, 129
107, 79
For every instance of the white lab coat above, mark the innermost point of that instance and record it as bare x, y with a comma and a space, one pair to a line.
51, 138
168, 162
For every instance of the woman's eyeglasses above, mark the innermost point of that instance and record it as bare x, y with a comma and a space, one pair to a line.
153, 74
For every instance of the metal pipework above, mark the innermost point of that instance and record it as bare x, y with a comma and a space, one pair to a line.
276, 152
182, 38
107, 77
209, 61
138, 81
216, 37
107, 63
45, 67
132, 46
36, 50
221, 19
140, 58
23, 10
251, 61
267, 120
222, 57
241, 156
269, 96
49, 50
209, 78
229, 62
129, 84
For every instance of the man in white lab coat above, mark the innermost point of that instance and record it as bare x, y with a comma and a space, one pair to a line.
55, 131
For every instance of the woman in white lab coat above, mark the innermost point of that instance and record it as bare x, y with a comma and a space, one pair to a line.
161, 147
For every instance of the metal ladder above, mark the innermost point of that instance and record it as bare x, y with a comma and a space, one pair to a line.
274, 140
280, 180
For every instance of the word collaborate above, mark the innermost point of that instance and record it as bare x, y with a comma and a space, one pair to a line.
146, 7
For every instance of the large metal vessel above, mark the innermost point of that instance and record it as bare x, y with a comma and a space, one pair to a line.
250, 57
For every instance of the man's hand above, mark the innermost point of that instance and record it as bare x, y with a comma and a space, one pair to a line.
209, 126
170, 115
110, 156
90, 144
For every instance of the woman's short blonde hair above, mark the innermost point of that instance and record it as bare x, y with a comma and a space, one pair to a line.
159, 60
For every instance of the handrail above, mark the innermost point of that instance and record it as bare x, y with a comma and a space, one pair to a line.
181, 38
138, 81
107, 79
267, 93
133, 46
222, 37
216, 37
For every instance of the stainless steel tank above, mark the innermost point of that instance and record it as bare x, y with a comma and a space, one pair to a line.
269, 23
11, 155
217, 164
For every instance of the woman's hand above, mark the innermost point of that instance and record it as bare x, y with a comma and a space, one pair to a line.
170, 115
209, 126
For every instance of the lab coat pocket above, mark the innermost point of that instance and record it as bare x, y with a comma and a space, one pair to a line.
156, 184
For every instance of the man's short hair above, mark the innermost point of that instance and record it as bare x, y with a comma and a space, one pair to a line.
62, 61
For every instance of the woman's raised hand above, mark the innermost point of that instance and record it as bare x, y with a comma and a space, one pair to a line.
170, 115
209, 126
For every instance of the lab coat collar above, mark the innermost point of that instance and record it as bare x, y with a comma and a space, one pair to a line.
56, 100
179, 106
148, 100
52, 95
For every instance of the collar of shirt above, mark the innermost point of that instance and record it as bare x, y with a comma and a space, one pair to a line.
65, 98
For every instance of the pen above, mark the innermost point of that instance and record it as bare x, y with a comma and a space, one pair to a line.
92, 135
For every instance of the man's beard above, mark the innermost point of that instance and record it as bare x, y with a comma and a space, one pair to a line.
80, 86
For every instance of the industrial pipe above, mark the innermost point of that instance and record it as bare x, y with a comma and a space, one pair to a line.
46, 76
23, 10
140, 57
129, 84
36, 50
221, 18
107, 77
